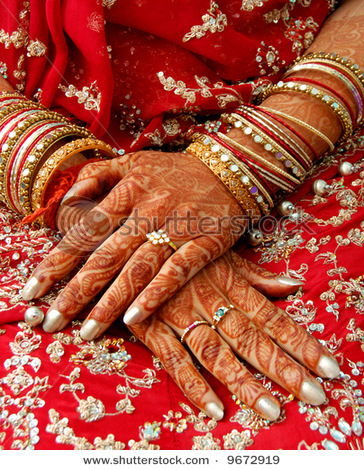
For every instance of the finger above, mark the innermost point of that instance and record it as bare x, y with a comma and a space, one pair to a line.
176, 271
102, 266
134, 277
286, 332
160, 339
217, 357
81, 240
68, 216
98, 177
264, 281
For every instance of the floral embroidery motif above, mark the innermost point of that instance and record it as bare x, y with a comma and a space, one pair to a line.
90, 96
249, 5
36, 48
268, 60
213, 21
95, 22
237, 440
206, 442
108, 3
189, 94
18, 38
300, 32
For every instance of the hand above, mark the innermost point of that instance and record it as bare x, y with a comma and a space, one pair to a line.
174, 192
254, 329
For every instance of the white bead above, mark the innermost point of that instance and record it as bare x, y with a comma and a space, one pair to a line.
285, 207
33, 316
346, 168
254, 237
320, 187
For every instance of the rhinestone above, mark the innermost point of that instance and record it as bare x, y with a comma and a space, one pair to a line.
257, 139
338, 436
244, 179
314, 91
215, 148
224, 157
357, 428
344, 427
303, 87
329, 445
234, 168
323, 429
268, 147
238, 124
290, 84
326, 98
248, 130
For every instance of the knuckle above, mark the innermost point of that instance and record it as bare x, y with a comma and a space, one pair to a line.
172, 360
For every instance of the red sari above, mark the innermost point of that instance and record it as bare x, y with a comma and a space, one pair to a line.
138, 73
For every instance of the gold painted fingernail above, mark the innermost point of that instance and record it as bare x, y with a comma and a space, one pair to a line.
54, 321
312, 393
289, 281
132, 316
69, 194
30, 289
214, 411
268, 409
328, 367
90, 329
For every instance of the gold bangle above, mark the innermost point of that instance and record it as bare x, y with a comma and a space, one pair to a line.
228, 172
303, 124
10, 143
321, 66
269, 144
326, 98
44, 175
27, 172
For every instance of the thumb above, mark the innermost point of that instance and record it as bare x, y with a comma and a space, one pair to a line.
98, 177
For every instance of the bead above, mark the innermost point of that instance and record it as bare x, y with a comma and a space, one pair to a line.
33, 316
320, 187
346, 168
254, 237
285, 207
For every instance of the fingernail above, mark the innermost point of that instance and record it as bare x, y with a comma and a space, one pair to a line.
268, 409
90, 329
328, 367
30, 289
214, 411
132, 316
69, 194
312, 393
289, 281
54, 321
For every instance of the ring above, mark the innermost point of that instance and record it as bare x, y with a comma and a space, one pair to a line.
160, 238
219, 314
191, 327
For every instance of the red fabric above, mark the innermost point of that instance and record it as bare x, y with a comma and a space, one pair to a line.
54, 386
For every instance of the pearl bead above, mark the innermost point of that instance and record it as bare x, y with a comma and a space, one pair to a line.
346, 168
33, 316
285, 207
254, 237
320, 187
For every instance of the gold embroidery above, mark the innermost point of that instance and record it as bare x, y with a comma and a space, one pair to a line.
36, 48
95, 22
18, 38
206, 442
213, 21
249, 5
90, 96
108, 3
237, 440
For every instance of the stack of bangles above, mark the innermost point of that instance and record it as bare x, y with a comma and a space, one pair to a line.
252, 179
34, 143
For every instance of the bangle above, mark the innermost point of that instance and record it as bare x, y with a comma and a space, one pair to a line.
260, 137
260, 114
227, 172
263, 167
44, 176
303, 124
329, 70
26, 172
331, 102
20, 154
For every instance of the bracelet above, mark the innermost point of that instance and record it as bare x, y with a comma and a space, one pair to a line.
228, 173
352, 69
260, 114
26, 172
303, 124
18, 157
335, 73
263, 167
335, 106
279, 152
44, 176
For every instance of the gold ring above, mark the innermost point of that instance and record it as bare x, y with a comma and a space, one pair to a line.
191, 327
160, 238
219, 314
